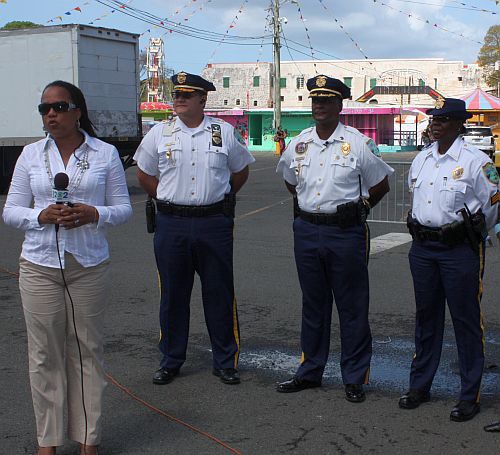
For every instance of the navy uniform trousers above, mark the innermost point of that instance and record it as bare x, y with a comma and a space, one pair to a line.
453, 275
332, 263
183, 246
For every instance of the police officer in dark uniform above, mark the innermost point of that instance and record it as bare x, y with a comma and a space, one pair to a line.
455, 192
335, 175
194, 165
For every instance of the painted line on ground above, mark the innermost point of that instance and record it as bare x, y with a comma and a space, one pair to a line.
388, 241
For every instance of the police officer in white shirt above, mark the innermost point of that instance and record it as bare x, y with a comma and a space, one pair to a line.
455, 192
194, 165
335, 176
494, 427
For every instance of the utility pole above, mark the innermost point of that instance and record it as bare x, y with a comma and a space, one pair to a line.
276, 58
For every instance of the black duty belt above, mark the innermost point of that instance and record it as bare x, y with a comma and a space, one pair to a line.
451, 234
319, 218
190, 210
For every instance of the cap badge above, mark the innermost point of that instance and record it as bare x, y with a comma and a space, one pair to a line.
346, 148
301, 148
320, 81
181, 78
439, 103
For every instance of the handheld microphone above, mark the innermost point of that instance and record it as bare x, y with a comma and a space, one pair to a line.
60, 191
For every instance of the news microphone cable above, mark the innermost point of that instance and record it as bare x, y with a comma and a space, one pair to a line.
77, 340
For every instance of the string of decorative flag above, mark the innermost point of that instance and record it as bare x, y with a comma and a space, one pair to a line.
231, 25
68, 13
425, 21
182, 29
463, 5
346, 33
177, 12
301, 16
60, 18
260, 51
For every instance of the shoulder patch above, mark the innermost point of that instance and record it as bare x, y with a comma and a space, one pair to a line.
490, 171
373, 147
239, 137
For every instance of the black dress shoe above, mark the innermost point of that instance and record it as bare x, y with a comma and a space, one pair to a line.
493, 427
464, 410
296, 384
164, 376
227, 375
413, 399
354, 393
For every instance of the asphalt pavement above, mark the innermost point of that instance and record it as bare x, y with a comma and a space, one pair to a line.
196, 413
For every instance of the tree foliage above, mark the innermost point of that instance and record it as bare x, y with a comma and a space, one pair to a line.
20, 24
489, 54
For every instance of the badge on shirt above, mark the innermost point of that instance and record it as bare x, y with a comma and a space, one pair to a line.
301, 148
457, 172
216, 135
490, 171
345, 148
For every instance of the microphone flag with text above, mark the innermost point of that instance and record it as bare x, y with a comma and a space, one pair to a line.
60, 191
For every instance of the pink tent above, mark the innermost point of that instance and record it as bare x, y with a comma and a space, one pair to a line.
479, 100
155, 106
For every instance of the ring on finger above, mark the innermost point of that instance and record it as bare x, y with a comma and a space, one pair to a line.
77, 222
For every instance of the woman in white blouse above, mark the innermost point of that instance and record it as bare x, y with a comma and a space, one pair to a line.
64, 265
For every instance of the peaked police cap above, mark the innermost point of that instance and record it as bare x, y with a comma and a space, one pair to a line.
185, 82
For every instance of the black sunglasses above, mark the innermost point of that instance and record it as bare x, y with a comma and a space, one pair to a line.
185, 95
59, 106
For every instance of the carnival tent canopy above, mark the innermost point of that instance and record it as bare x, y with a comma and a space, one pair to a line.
155, 106
479, 100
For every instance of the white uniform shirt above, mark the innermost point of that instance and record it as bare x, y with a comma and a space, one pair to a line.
326, 173
102, 185
441, 184
192, 170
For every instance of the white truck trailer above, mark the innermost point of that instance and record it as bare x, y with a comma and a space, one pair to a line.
104, 63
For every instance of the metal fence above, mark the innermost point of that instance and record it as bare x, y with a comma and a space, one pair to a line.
395, 205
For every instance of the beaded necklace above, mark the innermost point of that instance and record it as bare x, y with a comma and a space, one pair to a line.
76, 179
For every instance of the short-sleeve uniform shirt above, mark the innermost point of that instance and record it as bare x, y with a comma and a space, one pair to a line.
193, 165
328, 173
442, 184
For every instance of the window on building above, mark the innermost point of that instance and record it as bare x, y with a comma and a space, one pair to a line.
225, 82
421, 83
282, 82
460, 78
255, 102
225, 102
435, 83
299, 98
348, 81
237, 101
282, 98
300, 82
373, 82
256, 81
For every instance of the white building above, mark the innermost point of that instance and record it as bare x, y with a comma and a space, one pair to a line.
249, 85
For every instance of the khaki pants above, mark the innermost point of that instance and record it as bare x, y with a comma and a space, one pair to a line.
54, 361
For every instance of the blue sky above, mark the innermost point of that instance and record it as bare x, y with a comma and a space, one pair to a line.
377, 27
